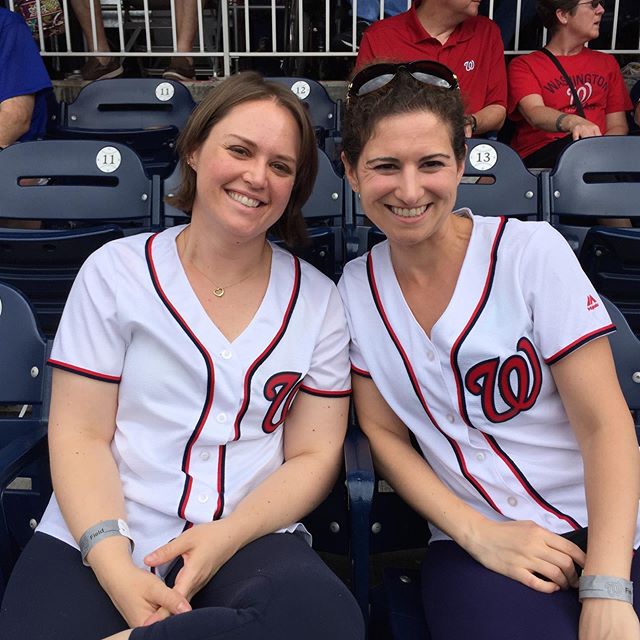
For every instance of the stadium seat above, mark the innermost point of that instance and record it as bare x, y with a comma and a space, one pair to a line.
611, 258
594, 178
85, 192
24, 385
323, 112
144, 113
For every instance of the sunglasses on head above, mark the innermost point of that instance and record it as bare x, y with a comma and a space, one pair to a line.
376, 76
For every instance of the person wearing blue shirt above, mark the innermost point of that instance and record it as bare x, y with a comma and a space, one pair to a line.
24, 82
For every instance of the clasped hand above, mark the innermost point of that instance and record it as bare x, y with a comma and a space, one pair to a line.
524, 551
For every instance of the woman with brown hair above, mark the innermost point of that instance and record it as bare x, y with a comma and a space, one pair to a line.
199, 405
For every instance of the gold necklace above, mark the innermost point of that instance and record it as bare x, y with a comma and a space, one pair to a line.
218, 291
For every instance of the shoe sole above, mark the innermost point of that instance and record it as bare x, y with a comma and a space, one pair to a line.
174, 75
112, 74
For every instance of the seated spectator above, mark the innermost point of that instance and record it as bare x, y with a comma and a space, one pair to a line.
456, 36
540, 100
24, 82
369, 10
100, 68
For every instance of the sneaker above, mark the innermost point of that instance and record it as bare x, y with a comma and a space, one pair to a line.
94, 70
180, 69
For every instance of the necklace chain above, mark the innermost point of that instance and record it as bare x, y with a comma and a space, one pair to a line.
219, 290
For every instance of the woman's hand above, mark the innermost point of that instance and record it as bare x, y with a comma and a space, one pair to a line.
608, 620
522, 549
204, 549
138, 594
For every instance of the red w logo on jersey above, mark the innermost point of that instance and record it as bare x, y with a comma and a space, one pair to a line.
592, 303
280, 389
518, 381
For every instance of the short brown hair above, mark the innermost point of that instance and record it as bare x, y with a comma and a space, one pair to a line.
237, 89
404, 94
547, 12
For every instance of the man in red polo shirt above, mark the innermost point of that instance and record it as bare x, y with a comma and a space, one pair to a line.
451, 32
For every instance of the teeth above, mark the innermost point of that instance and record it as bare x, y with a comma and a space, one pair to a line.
409, 213
247, 202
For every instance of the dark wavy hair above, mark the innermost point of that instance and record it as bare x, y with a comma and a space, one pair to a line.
237, 89
404, 94
547, 12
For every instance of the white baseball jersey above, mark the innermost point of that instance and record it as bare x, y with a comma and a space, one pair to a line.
478, 394
200, 419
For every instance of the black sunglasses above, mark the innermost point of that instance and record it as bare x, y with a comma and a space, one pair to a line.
376, 76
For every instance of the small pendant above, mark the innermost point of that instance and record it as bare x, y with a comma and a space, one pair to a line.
218, 292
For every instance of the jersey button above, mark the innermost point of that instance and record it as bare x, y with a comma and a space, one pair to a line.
480, 456
430, 355
512, 501
203, 497
450, 417
205, 455
221, 417
226, 354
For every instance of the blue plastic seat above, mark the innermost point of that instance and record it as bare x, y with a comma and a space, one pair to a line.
84, 193
146, 114
24, 481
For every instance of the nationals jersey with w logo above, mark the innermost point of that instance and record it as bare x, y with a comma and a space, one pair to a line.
200, 419
478, 393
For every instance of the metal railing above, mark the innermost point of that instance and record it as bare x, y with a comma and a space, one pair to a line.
293, 29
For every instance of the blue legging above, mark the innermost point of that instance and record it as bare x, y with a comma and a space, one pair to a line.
274, 588
462, 600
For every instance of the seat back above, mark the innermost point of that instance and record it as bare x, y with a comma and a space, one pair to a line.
611, 258
496, 182
594, 178
24, 481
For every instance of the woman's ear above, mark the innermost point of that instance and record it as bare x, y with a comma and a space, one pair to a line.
350, 172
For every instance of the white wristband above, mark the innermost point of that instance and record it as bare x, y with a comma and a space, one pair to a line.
607, 587
100, 531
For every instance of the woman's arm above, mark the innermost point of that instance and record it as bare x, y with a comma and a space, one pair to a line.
616, 124
313, 437
588, 386
88, 490
489, 118
538, 115
514, 549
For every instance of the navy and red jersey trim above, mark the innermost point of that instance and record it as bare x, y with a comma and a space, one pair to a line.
360, 372
344, 393
576, 344
475, 483
295, 291
482, 302
87, 373
208, 400
528, 487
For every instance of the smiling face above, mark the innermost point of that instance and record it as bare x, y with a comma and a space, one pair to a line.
583, 21
245, 170
407, 177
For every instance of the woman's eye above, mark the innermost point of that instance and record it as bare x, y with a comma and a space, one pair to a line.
240, 151
387, 166
433, 164
282, 168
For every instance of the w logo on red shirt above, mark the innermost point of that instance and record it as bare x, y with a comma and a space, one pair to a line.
592, 303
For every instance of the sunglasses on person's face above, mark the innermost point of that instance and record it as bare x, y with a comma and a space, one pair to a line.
594, 3
376, 76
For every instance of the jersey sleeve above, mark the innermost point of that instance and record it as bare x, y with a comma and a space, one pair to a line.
522, 82
358, 364
89, 340
497, 83
565, 308
366, 54
328, 373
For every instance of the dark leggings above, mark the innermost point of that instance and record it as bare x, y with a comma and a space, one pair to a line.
462, 599
275, 587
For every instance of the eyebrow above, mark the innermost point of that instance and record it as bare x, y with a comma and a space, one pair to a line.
252, 144
431, 156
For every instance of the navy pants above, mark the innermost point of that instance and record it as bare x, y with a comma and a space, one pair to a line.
462, 600
274, 588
